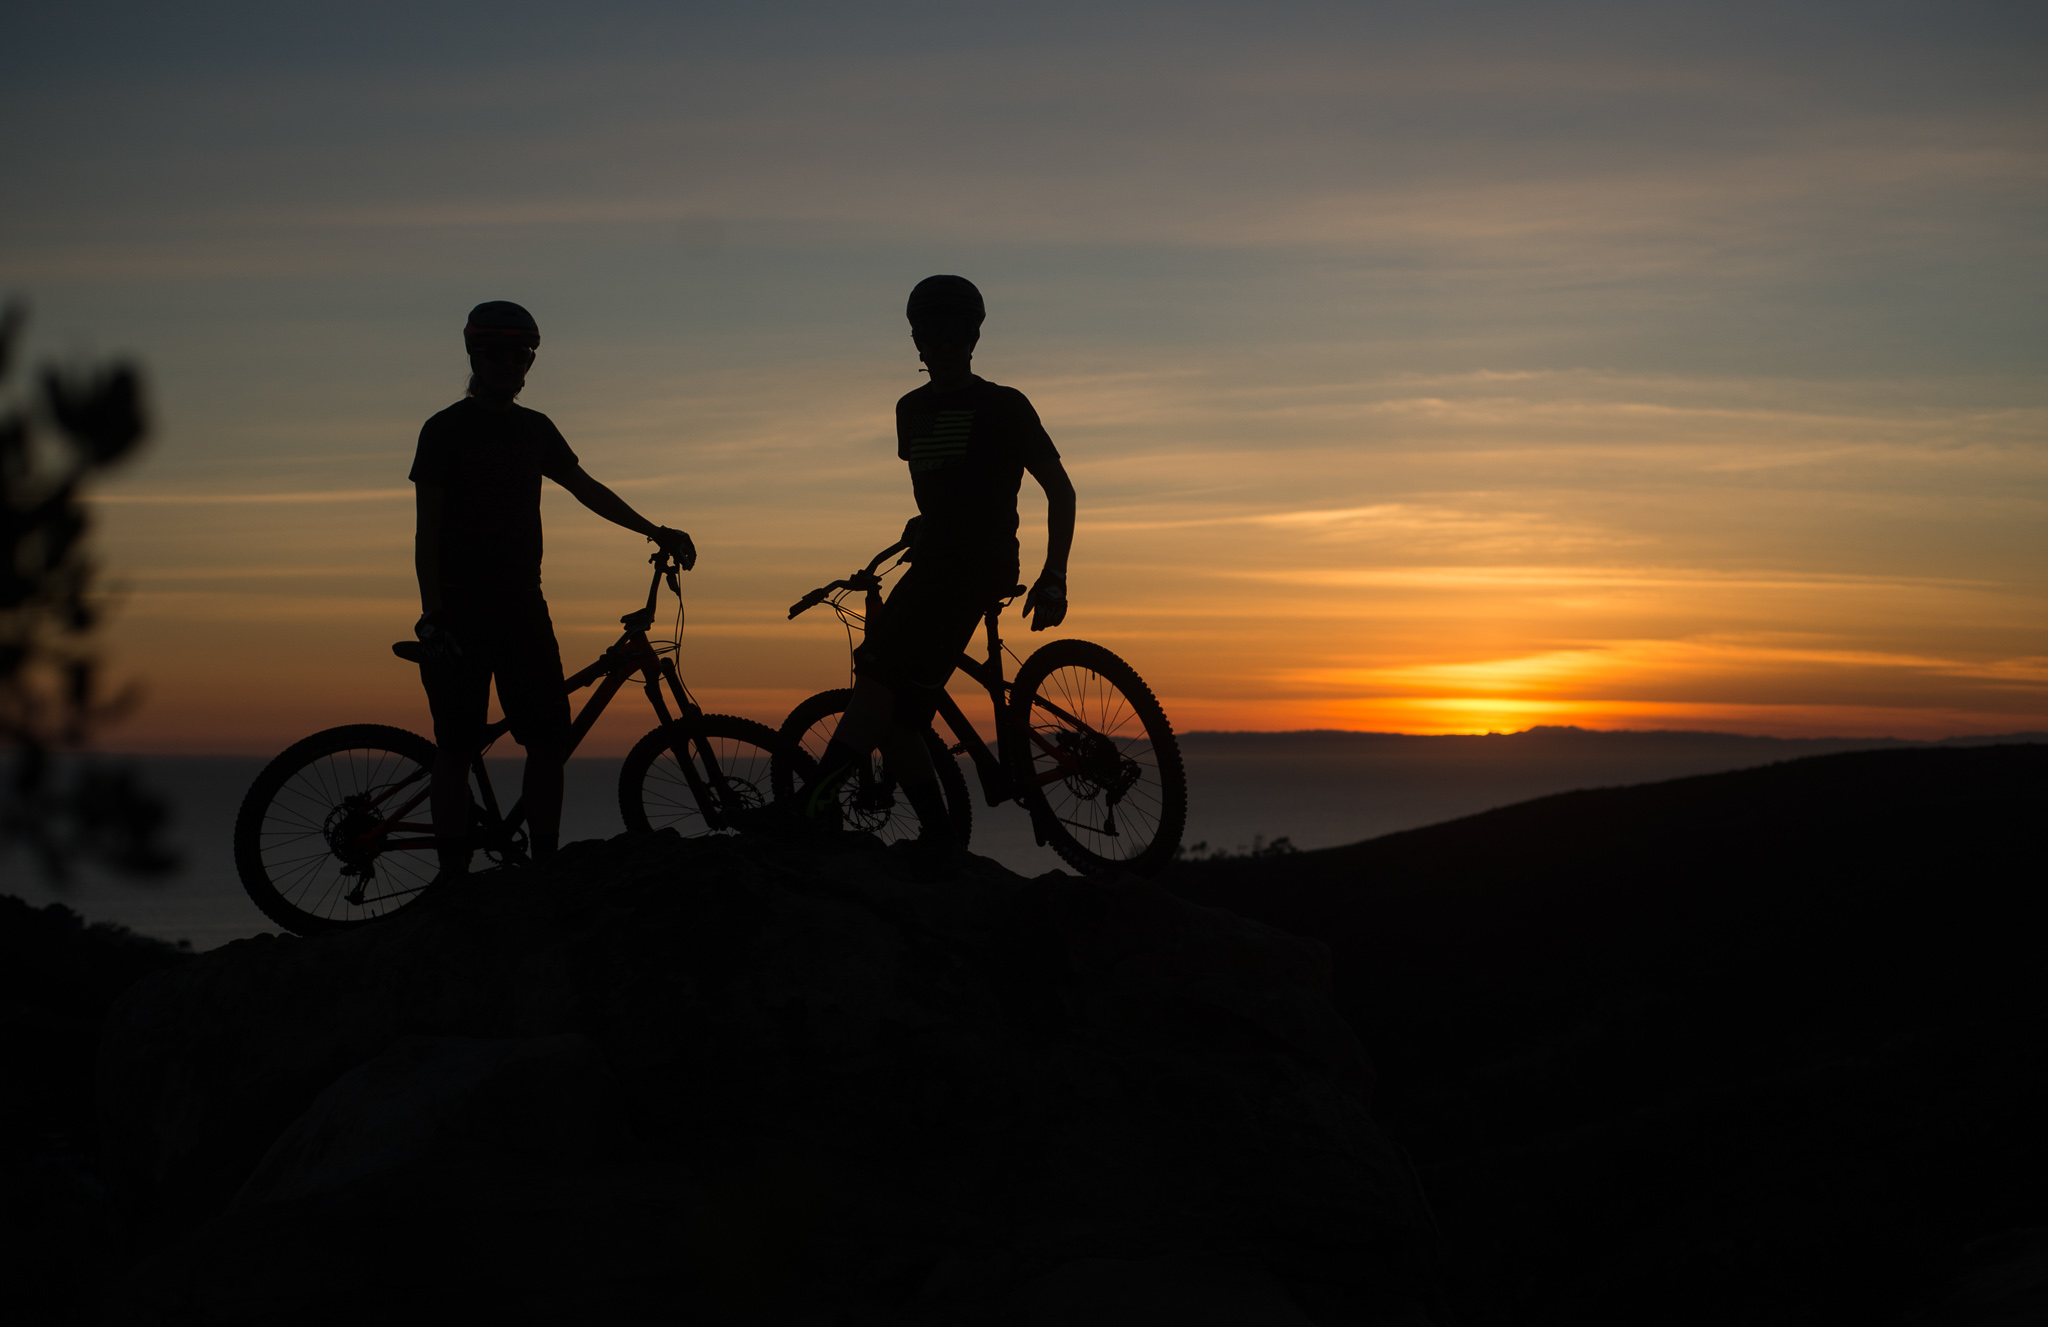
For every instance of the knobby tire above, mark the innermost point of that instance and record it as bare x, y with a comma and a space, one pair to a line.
299, 808
1126, 805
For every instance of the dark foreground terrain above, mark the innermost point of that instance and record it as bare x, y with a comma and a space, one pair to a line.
1760, 1047
741, 1081
1763, 1047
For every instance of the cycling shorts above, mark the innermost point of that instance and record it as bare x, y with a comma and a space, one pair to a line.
510, 639
929, 618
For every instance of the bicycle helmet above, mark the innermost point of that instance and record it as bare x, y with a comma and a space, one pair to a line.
501, 320
945, 309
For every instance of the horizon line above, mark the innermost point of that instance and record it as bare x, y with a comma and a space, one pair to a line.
2023, 737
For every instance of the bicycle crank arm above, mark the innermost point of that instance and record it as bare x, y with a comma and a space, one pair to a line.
1108, 825
358, 898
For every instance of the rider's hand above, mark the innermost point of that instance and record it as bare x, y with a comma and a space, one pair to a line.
677, 545
437, 636
1046, 605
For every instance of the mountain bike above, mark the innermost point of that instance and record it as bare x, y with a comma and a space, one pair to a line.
1081, 744
338, 830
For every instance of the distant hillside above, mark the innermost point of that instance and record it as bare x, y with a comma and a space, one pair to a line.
1754, 1046
1323, 788
1558, 735
1596, 757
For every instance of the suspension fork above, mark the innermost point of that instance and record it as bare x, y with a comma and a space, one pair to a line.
714, 804
665, 671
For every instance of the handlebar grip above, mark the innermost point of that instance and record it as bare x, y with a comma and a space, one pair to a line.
809, 601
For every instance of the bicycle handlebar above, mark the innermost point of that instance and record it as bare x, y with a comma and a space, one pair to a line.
814, 598
864, 579
665, 568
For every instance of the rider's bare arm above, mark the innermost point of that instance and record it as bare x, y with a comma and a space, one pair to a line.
1047, 602
604, 502
616, 510
426, 545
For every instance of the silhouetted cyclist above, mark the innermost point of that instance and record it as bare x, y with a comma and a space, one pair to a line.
968, 443
478, 551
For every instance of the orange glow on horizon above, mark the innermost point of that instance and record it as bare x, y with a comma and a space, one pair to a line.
1479, 567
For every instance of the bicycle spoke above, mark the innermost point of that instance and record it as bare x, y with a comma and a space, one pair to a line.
293, 844
1078, 707
727, 762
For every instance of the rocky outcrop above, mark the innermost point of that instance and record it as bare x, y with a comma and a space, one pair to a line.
737, 1080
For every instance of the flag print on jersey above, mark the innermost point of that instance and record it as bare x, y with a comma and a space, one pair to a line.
967, 450
946, 445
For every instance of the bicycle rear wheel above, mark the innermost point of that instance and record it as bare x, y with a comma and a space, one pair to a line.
315, 841
870, 801
1101, 771
655, 789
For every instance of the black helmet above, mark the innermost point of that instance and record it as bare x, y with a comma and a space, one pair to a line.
945, 309
500, 320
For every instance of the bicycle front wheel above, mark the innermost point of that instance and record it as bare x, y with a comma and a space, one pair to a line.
694, 775
338, 830
870, 800
1101, 771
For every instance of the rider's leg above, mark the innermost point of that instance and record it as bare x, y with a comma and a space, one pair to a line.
873, 719
541, 792
867, 717
862, 725
536, 700
450, 800
459, 695
909, 759
899, 673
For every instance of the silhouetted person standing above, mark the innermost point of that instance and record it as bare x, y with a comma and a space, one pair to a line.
478, 552
968, 443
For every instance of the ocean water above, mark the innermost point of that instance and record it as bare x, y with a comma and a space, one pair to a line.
1317, 789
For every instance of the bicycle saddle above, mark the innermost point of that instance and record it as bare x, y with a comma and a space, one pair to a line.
410, 650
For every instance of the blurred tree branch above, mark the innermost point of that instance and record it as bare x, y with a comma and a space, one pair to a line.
55, 438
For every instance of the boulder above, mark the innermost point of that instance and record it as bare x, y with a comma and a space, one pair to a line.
743, 1080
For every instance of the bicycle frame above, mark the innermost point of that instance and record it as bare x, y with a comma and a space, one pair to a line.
630, 656
1001, 780
998, 784
1001, 774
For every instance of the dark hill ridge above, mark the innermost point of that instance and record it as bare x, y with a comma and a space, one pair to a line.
739, 1081
1759, 1046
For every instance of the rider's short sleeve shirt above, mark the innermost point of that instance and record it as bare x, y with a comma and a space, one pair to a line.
967, 451
489, 464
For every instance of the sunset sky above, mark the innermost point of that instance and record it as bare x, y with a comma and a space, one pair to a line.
1423, 368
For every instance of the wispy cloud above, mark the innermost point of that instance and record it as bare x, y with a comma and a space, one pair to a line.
147, 499
1567, 355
